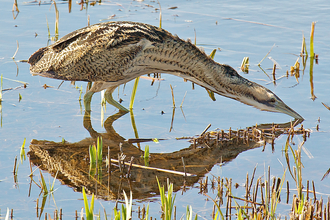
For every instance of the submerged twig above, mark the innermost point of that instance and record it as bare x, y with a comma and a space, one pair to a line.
266, 55
155, 168
325, 105
183, 99
326, 174
15, 6
207, 127
172, 96
264, 72
13, 57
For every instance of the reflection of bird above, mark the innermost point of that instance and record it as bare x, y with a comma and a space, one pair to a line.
113, 53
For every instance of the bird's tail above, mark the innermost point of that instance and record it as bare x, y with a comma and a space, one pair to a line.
34, 58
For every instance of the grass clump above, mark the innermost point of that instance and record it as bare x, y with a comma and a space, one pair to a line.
127, 211
45, 192
95, 156
167, 201
95, 152
189, 213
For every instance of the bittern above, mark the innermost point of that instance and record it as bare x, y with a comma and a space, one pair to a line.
113, 53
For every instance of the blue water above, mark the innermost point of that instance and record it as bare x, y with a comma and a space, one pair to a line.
254, 27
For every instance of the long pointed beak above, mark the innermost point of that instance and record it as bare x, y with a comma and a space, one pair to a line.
281, 107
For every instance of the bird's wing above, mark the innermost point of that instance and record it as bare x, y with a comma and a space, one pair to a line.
111, 34
90, 53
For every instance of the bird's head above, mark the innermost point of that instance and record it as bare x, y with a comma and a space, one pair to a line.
265, 100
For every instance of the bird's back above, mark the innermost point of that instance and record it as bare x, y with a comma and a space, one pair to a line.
95, 52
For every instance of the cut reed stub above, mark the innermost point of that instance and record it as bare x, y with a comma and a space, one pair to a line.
245, 65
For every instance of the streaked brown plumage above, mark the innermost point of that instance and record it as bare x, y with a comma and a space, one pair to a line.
114, 53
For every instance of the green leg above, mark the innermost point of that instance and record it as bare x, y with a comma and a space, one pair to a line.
110, 100
87, 100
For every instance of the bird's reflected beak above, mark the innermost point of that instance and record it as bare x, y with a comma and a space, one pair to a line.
283, 108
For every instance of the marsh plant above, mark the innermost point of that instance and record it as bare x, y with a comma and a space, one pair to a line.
167, 200
95, 156
89, 208
146, 156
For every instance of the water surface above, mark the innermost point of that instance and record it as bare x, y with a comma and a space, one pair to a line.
239, 29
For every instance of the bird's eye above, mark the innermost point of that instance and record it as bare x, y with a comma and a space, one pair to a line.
272, 100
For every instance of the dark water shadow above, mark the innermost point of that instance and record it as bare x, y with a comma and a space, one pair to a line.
71, 160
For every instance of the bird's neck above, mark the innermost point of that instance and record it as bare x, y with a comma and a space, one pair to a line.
183, 59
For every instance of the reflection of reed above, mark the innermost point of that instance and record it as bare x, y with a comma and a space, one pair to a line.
311, 65
134, 125
71, 160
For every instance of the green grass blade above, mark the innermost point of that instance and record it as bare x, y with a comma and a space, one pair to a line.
123, 212
52, 186
19, 97
92, 154
279, 192
216, 215
91, 208
211, 94
56, 19
212, 54
1, 88
303, 46
218, 207
161, 192
147, 213
136, 83
105, 214
99, 149
117, 214
286, 152
136, 134
43, 183
48, 27
312, 40
126, 203
189, 212
146, 151
85, 202
22, 153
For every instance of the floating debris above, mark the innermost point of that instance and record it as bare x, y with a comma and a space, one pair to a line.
47, 86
